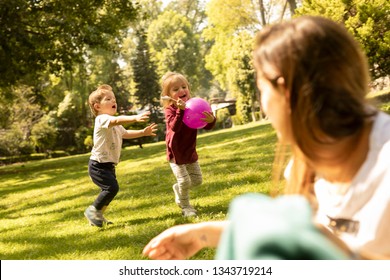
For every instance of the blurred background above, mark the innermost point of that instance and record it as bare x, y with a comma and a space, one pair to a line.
54, 53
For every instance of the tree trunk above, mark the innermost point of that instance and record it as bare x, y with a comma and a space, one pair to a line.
262, 13
293, 6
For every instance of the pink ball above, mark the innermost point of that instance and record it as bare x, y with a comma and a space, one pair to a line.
194, 112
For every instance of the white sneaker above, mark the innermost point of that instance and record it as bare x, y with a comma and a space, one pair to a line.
188, 211
94, 216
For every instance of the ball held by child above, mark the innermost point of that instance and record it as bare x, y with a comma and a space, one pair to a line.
193, 113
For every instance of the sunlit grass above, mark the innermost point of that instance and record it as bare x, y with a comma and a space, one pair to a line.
42, 202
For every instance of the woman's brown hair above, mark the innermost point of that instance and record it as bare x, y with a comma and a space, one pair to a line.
327, 76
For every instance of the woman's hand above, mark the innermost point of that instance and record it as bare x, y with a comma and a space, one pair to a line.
183, 241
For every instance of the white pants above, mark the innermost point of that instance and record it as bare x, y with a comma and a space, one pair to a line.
187, 176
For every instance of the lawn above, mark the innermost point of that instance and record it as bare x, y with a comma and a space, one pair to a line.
42, 202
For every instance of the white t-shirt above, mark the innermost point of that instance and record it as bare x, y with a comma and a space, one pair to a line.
107, 142
361, 209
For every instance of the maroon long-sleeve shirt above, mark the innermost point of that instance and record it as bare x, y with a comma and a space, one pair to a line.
181, 139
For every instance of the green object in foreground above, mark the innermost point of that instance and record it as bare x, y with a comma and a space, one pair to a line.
281, 228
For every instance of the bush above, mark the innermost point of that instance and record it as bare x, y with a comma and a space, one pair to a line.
12, 143
57, 154
385, 108
88, 142
223, 119
81, 135
37, 156
21, 158
43, 134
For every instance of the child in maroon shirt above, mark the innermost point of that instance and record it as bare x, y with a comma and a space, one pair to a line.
181, 139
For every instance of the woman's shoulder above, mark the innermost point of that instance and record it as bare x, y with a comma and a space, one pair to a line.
380, 135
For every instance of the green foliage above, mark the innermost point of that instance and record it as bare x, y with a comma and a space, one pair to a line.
88, 142
386, 108
42, 215
223, 119
81, 135
44, 134
50, 49
368, 22
193, 10
230, 62
228, 16
35, 35
5, 110
67, 117
243, 114
382, 99
232, 27
147, 89
57, 154
12, 142
174, 46
103, 68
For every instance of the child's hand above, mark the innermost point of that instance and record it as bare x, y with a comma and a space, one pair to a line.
208, 117
150, 130
143, 117
180, 104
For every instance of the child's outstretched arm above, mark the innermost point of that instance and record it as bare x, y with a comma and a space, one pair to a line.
121, 120
150, 130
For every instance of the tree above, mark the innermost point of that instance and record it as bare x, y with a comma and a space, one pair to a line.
293, 6
52, 35
44, 134
233, 59
232, 25
146, 79
21, 116
241, 75
193, 10
174, 46
368, 22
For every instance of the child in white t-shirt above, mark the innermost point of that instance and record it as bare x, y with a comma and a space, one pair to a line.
107, 138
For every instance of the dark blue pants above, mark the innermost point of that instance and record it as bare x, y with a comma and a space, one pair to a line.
103, 175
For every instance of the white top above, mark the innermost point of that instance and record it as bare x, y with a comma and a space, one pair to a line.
366, 200
107, 142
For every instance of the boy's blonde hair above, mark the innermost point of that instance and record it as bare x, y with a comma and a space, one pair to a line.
166, 83
96, 97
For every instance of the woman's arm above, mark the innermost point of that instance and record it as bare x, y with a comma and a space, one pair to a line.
183, 241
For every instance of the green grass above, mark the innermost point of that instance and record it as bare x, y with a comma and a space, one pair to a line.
42, 202
381, 99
